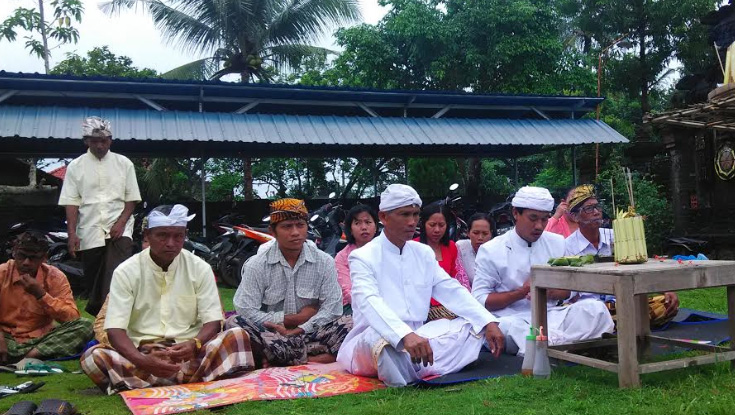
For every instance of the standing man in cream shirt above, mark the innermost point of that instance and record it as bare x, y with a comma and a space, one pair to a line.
100, 192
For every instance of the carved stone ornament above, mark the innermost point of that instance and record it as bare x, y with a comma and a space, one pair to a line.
725, 162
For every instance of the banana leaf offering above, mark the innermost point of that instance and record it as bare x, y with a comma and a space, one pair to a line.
630, 238
572, 261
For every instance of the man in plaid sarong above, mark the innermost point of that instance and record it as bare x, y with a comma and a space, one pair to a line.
164, 317
289, 300
33, 297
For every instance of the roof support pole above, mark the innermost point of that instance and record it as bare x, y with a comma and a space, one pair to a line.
367, 109
574, 166
150, 103
542, 114
246, 108
441, 112
204, 197
8, 94
515, 172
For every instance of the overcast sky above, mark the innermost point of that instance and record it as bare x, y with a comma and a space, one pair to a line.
131, 34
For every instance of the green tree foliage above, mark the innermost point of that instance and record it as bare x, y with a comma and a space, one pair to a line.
39, 30
101, 61
476, 45
251, 38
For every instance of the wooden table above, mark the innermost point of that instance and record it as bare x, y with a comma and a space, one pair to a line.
630, 284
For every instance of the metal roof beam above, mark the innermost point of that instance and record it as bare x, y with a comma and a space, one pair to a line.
248, 107
540, 113
367, 109
442, 111
149, 102
8, 94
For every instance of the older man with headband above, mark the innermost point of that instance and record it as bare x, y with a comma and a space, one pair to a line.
502, 284
289, 299
592, 239
99, 194
164, 317
393, 281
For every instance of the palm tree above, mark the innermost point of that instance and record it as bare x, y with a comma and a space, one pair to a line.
252, 38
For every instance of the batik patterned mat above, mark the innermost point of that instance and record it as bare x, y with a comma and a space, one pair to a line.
308, 381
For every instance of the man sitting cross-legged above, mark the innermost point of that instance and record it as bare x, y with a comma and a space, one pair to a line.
393, 281
289, 299
503, 269
33, 295
592, 239
164, 317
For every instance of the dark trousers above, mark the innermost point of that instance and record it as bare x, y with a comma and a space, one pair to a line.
99, 263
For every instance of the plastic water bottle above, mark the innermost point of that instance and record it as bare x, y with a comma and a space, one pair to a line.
541, 366
527, 367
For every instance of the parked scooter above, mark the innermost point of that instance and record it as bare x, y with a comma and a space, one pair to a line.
326, 224
458, 228
685, 246
501, 216
235, 245
54, 230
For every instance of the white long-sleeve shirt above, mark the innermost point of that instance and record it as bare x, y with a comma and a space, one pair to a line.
392, 289
504, 264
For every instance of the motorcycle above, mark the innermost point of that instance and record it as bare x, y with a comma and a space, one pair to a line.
58, 252
685, 246
458, 228
325, 224
501, 215
235, 245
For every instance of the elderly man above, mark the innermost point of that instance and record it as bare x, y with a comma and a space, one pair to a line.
502, 284
100, 192
393, 281
164, 317
592, 239
34, 295
289, 299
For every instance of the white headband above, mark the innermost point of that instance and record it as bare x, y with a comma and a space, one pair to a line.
177, 217
96, 127
536, 198
398, 195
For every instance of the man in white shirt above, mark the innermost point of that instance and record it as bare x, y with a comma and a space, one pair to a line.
503, 269
100, 192
393, 281
592, 239
164, 317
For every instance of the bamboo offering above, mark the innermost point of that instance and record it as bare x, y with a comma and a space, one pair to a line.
630, 235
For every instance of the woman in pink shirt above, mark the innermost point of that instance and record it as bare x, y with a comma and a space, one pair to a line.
361, 226
562, 222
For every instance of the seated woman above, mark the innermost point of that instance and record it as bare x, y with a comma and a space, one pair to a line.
435, 233
361, 226
480, 232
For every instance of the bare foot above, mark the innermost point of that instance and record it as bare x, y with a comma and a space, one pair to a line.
322, 358
33, 354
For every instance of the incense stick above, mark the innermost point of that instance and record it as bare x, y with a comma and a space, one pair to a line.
612, 193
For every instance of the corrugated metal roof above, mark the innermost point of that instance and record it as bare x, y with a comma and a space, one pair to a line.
213, 90
65, 123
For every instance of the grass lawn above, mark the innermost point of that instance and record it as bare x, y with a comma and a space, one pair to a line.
698, 390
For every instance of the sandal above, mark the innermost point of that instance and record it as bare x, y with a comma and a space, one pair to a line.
26, 387
39, 369
22, 408
55, 407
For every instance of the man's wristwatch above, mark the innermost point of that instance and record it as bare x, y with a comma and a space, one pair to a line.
198, 343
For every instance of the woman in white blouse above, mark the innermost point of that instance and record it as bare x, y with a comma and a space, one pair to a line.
480, 232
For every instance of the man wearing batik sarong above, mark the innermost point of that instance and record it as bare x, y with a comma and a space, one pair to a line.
164, 317
34, 295
289, 299
393, 281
